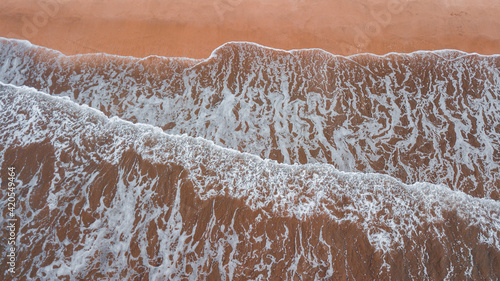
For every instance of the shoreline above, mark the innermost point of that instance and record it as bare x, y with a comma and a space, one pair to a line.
291, 52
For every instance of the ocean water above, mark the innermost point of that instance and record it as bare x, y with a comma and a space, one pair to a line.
253, 164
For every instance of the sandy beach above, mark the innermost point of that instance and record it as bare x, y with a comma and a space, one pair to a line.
195, 28
255, 164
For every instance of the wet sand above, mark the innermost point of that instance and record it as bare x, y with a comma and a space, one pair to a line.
195, 28
148, 211
400, 118
106, 199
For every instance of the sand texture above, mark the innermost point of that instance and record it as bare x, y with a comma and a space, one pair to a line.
255, 163
154, 147
195, 28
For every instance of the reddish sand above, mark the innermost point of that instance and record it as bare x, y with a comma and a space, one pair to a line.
194, 28
215, 237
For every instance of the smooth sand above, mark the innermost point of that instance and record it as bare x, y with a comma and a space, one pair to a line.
194, 28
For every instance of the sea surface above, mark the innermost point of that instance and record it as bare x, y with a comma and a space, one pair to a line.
253, 164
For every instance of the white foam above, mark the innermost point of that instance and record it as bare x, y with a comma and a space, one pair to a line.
250, 117
297, 190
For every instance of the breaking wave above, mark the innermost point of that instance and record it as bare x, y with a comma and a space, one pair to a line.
254, 164
421, 117
127, 198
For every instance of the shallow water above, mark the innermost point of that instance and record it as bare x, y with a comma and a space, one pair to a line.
137, 199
